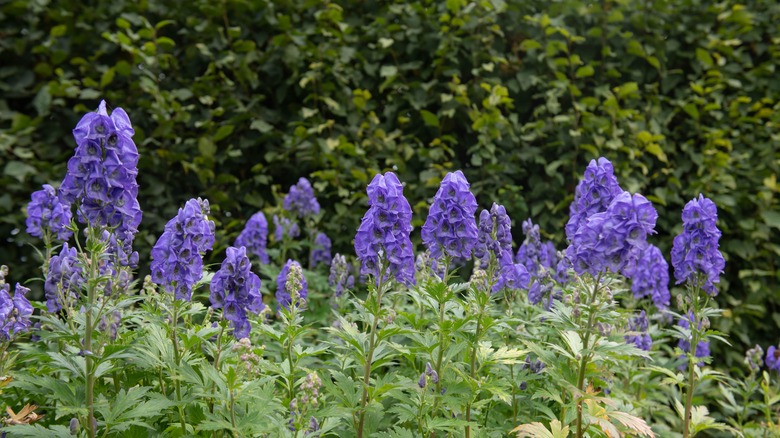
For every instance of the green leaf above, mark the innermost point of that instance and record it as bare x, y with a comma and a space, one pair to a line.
223, 132
585, 71
430, 118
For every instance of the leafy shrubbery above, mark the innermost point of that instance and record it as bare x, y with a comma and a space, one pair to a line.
466, 339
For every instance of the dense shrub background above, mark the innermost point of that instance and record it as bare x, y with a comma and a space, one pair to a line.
234, 100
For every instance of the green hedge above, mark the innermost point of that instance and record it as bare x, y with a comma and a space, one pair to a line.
234, 100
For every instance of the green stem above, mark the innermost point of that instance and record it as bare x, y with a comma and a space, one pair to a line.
694, 326
370, 356
586, 354
89, 361
473, 368
177, 361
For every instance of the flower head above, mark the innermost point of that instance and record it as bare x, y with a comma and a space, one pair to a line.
339, 277
14, 312
291, 285
753, 358
773, 358
236, 290
63, 278
301, 200
650, 277
254, 236
494, 233
382, 241
46, 212
101, 176
177, 257
592, 195
638, 325
285, 227
321, 251
695, 254
512, 276
450, 228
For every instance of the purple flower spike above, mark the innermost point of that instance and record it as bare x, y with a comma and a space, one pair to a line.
339, 277
255, 237
773, 358
63, 278
284, 227
321, 252
236, 290
493, 223
592, 195
301, 200
512, 275
14, 312
177, 257
450, 228
650, 277
46, 212
639, 325
695, 254
291, 285
383, 236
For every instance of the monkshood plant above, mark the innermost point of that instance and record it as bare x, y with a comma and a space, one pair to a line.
467, 338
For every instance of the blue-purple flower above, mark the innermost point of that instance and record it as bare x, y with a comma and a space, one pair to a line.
638, 325
63, 278
301, 200
285, 227
321, 251
14, 312
511, 275
494, 233
47, 213
695, 254
177, 257
773, 358
382, 241
593, 194
254, 237
101, 177
615, 238
291, 285
236, 290
702, 348
450, 229
650, 277
340, 279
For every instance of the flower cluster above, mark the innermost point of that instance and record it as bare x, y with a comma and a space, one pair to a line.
46, 213
63, 278
695, 254
15, 311
650, 277
101, 176
512, 276
450, 229
614, 238
339, 277
429, 375
540, 260
593, 194
638, 326
177, 262
773, 358
702, 348
754, 357
254, 236
110, 323
285, 227
309, 399
494, 233
236, 290
250, 359
301, 200
291, 285
321, 251
382, 241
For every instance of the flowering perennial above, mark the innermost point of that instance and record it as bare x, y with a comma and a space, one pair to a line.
63, 278
494, 233
512, 276
340, 278
695, 254
236, 290
638, 325
321, 251
47, 213
291, 285
14, 312
773, 358
254, 236
650, 277
284, 227
615, 238
177, 262
382, 238
101, 177
593, 194
450, 228
301, 200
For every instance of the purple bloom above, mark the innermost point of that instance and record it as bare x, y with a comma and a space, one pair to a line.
382, 241
63, 279
321, 251
702, 348
650, 277
254, 236
773, 358
450, 228
695, 254
339, 277
301, 200
593, 194
422, 382
291, 285
101, 176
494, 233
615, 238
177, 257
638, 324
14, 312
284, 227
46, 212
236, 290
512, 276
